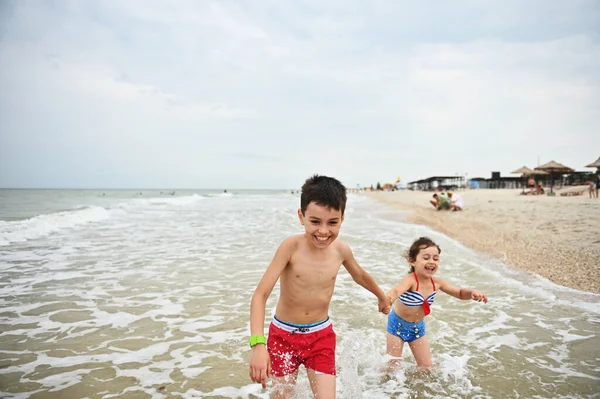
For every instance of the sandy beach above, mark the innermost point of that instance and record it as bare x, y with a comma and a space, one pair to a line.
555, 237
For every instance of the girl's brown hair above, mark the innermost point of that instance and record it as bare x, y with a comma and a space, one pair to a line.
419, 244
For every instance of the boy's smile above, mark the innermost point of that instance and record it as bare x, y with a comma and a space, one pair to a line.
321, 224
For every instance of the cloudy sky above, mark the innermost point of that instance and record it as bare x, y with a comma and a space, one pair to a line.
261, 94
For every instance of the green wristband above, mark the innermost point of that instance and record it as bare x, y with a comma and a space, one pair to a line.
257, 339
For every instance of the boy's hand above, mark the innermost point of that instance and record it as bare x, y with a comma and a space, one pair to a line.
478, 296
385, 305
260, 365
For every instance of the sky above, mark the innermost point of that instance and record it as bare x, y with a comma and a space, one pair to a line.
263, 94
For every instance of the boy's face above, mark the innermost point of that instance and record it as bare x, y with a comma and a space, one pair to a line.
321, 224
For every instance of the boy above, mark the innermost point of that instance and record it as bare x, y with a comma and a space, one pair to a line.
301, 331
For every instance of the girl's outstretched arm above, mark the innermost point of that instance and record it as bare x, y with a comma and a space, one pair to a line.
460, 293
405, 285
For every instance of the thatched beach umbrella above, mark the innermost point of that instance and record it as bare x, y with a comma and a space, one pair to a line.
525, 171
594, 164
554, 167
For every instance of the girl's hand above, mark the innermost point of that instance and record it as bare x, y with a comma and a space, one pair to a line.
478, 296
385, 306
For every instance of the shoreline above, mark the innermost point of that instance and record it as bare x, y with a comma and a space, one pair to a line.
557, 237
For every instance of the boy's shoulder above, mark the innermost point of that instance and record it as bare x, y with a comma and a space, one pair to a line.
341, 244
342, 248
292, 242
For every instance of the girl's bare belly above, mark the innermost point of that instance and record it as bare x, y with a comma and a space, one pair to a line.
411, 314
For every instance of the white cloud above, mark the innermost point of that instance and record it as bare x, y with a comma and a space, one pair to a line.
217, 93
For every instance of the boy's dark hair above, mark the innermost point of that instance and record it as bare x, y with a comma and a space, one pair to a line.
324, 191
419, 244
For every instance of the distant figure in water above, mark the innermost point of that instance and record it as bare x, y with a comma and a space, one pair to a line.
225, 191
306, 266
415, 294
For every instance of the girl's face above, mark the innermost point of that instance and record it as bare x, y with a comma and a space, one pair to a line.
427, 262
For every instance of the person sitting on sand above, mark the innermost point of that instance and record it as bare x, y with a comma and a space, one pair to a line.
443, 202
539, 190
434, 201
456, 202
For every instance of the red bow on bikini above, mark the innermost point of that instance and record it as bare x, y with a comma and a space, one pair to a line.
426, 307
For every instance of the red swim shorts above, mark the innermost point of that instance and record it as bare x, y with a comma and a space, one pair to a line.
291, 345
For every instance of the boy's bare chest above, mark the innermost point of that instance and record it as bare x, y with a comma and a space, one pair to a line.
314, 272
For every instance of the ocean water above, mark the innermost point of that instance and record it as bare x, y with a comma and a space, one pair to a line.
142, 294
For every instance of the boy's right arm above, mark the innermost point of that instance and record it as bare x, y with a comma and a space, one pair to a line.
260, 367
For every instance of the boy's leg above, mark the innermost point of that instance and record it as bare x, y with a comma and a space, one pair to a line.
283, 386
394, 347
322, 385
421, 352
320, 363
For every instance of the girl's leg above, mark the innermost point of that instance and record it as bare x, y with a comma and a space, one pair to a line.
322, 385
421, 352
283, 386
394, 347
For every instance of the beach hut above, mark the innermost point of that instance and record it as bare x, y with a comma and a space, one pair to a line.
554, 167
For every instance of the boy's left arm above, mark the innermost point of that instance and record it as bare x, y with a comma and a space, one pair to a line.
461, 293
364, 279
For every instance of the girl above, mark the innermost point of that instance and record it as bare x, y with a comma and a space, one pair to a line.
415, 294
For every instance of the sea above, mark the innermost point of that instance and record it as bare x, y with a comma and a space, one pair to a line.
146, 294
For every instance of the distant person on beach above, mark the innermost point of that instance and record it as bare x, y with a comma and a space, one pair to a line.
434, 201
307, 265
592, 189
540, 189
441, 202
415, 294
597, 181
456, 202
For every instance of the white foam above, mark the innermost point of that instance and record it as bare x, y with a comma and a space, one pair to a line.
43, 225
172, 201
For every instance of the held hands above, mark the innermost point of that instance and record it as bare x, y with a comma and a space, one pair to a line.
478, 296
260, 365
386, 305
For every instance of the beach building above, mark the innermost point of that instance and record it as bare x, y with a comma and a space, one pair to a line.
437, 183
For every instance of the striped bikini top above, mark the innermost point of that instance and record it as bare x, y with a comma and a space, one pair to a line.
414, 298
